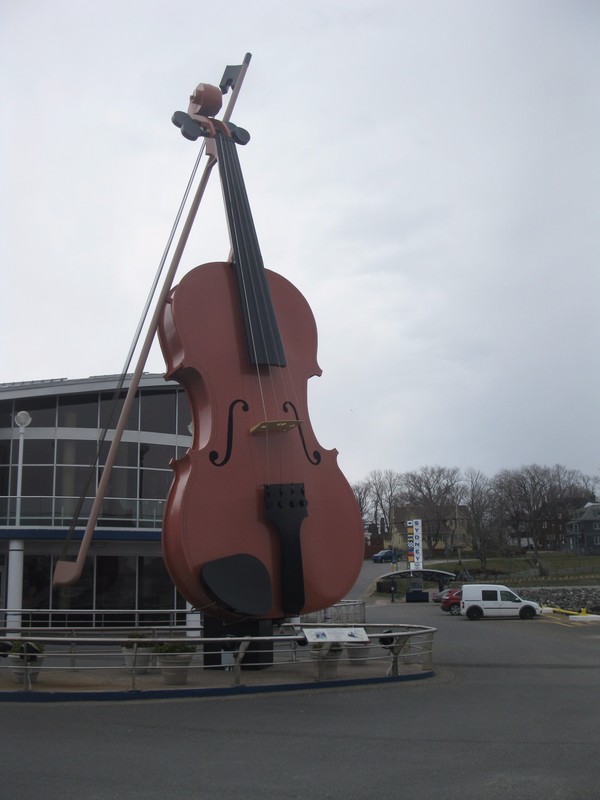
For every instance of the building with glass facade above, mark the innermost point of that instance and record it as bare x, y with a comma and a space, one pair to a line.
52, 459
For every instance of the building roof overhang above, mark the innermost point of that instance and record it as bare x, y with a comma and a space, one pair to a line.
65, 386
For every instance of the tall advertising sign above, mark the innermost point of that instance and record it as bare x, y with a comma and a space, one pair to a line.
414, 543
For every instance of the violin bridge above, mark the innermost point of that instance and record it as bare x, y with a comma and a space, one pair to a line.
277, 425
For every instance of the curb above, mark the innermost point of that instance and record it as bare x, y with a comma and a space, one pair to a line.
37, 696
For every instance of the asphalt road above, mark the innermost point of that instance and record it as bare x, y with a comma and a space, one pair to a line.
512, 712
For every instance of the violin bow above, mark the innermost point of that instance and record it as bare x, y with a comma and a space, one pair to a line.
67, 573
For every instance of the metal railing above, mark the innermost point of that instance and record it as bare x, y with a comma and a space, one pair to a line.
57, 511
100, 619
346, 612
88, 660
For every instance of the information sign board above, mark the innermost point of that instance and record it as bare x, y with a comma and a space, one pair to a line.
320, 635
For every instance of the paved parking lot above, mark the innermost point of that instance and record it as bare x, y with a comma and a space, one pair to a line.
510, 713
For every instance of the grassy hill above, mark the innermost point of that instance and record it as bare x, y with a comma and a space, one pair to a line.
553, 569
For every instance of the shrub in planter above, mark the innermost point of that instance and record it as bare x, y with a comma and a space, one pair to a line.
26, 658
358, 654
137, 652
168, 648
174, 659
27, 651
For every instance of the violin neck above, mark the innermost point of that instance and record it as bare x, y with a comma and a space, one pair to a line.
263, 340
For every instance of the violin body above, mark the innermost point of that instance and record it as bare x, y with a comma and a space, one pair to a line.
259, 521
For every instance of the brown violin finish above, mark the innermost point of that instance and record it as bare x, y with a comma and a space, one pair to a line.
259, 522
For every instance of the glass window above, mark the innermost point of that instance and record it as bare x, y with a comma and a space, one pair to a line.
122, 483
156, 455
155, 588
80, 411
115, 581
6, 414
158, 410
76, 451
4, 481
78, 596
127, 454
38, 451
489, 594
36, 581
154, 484
38, 481
65, 509
42, 410
151, 512
74, 481
110, 411
184, 414
5, 512
118, 513
5, 451
36, 510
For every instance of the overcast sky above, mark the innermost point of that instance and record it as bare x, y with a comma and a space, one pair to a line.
427, 174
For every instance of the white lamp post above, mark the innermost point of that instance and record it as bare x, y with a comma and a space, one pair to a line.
14, 590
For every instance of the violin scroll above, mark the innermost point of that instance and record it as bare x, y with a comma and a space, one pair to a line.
205, 101
199, 120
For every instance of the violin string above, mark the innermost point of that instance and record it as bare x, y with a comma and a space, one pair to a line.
232, 203
270, 333
233, 191
263, 332
278, 378
249, 254
238, 239
281, 382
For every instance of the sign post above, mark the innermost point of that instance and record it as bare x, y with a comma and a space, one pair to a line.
414, 542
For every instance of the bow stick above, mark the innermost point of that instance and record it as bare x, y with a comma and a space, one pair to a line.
69, 572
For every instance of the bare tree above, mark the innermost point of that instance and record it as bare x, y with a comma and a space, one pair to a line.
533, 495
438, 492
384, 491
363, 498
479, 500
570, 489
523, 493
522, 502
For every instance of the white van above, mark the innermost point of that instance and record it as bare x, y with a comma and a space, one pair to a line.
491, 600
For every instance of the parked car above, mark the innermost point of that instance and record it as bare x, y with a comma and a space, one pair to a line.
451, 601
492, 600
437, 597
383, 555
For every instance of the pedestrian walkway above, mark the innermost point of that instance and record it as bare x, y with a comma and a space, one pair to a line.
92, 683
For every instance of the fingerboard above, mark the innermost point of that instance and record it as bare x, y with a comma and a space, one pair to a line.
263, 340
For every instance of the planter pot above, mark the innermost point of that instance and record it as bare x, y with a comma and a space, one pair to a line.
174, 667
326, 664
25, 674
137, 660
358, 654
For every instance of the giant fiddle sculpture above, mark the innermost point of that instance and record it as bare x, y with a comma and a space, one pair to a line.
259, 524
